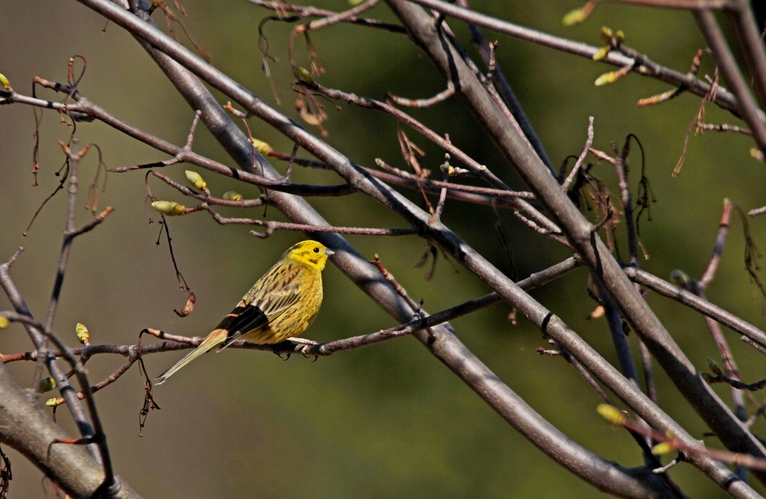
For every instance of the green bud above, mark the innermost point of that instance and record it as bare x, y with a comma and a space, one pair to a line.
601, 53
606, 78
46, 385
679, 278
261, 146
305, 75
232, 196
663, 448
574, 17
196, 180
82, 333
713, 366
611, 414
54, 402
169, 208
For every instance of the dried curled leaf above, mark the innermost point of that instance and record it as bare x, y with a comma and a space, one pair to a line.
597, 313
188, 308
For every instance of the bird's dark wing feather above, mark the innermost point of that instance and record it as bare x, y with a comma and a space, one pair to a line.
247, 318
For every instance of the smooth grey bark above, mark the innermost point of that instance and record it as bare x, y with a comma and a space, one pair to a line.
29, 429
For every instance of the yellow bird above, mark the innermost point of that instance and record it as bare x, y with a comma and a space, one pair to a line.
282, 304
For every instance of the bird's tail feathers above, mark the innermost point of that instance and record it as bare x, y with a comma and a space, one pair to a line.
213, 340
228, 341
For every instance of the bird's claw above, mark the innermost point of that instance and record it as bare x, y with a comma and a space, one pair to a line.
279, 354
303, 347
305, 350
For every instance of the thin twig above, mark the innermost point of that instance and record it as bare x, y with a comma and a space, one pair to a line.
720, 240
309, 11
724, 127
688, 299
339, 17
731, 73
580, 159
421, 103
70, 233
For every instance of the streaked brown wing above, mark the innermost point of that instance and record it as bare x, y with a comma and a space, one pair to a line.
273, 295
278, 290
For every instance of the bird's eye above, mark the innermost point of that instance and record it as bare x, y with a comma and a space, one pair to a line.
316, 250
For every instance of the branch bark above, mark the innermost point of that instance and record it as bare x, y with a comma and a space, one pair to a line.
26, 427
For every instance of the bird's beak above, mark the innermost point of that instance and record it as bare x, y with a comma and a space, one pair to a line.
328, 252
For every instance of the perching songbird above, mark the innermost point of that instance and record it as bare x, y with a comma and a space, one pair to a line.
282, 304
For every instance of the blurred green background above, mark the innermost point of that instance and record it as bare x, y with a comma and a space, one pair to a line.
389, 420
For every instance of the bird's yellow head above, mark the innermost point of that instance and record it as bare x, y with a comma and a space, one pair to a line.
311, 253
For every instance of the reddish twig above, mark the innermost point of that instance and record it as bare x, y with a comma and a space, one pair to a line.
309, 11
580, 159
421, 103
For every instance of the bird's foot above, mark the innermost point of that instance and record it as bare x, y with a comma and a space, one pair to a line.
303, 346
305, 341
